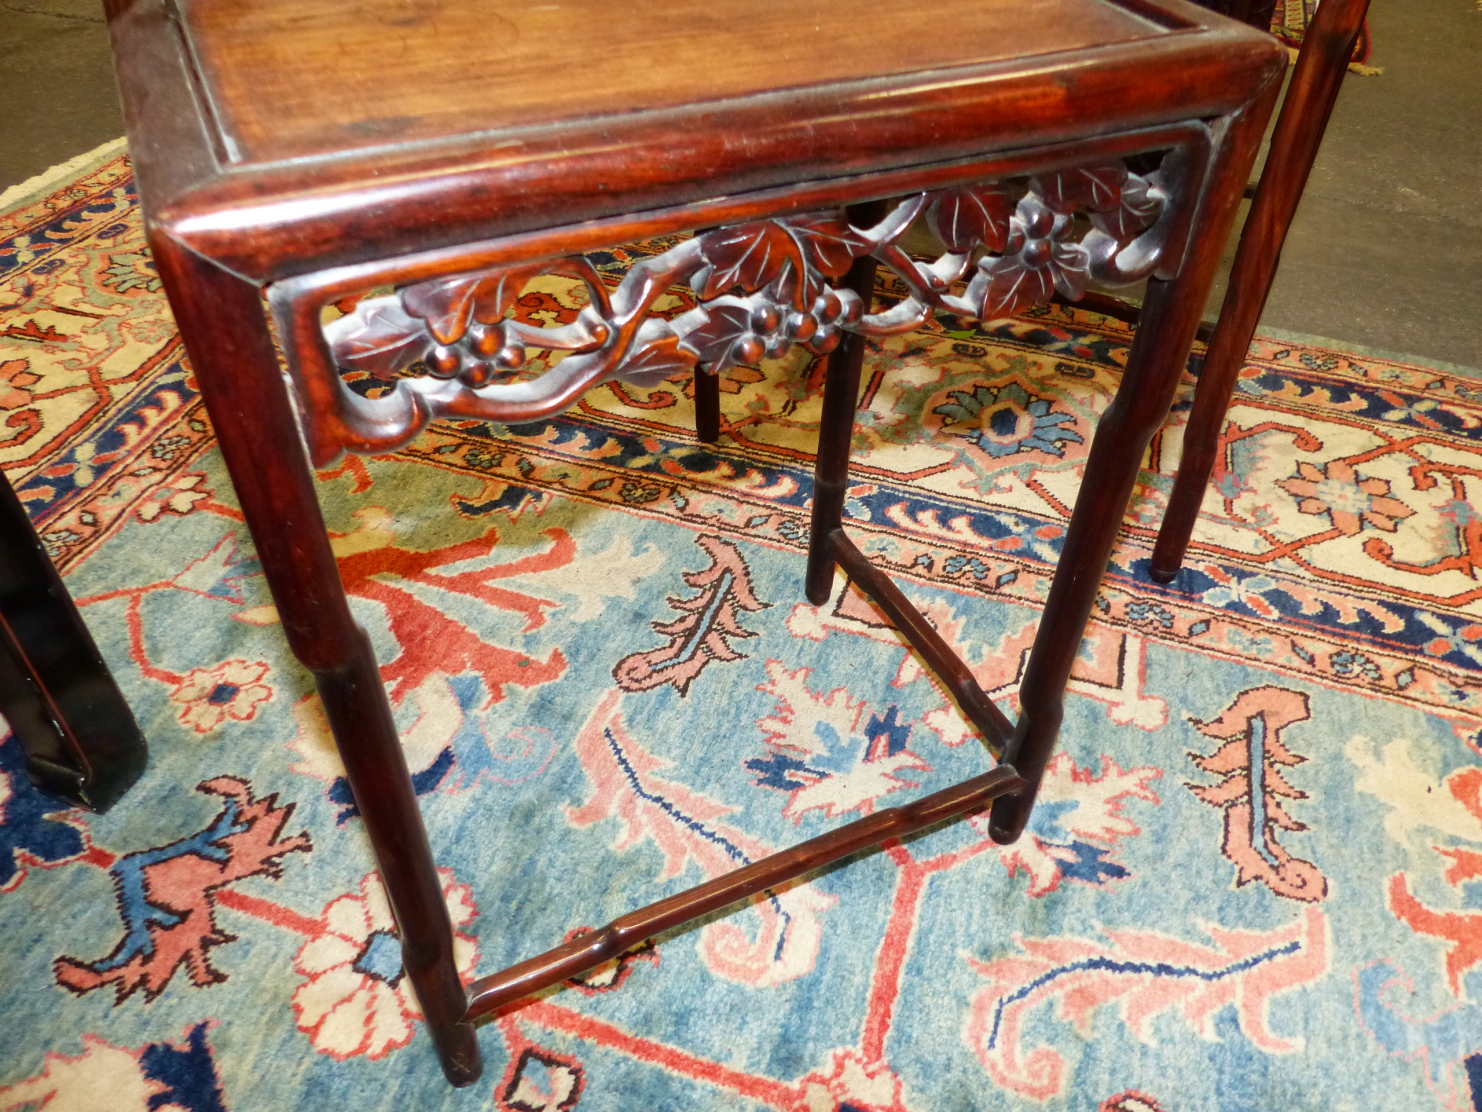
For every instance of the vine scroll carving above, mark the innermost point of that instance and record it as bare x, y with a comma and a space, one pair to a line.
760, 287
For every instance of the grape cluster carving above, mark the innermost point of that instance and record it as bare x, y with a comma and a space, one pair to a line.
760, 287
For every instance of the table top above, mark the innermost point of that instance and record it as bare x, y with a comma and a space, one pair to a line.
403, 71
279, 136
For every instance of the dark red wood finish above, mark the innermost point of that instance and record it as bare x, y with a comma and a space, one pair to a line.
1321, 66
587, 951
344, 198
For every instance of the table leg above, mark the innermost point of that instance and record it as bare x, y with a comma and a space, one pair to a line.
222, 320
56, 693
835, 432
1159, 352
1314, 88
707, 406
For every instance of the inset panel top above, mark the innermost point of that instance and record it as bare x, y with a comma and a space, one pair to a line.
286, 79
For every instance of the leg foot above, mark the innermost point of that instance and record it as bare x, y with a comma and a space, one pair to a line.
1162, 575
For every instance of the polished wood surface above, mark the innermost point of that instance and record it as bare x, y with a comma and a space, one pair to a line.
1322, 65
399, 72
56, 693
312, 152
268, 221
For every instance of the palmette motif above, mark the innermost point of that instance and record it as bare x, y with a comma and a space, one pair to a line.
761, 287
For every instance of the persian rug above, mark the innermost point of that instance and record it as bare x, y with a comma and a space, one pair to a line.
1253, 880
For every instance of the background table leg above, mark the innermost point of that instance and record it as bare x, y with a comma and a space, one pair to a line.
835, 431
56, 693
1323, 61
707, 406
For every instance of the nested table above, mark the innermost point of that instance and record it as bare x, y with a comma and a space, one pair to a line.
290, 155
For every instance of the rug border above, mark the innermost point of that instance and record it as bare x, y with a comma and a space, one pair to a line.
42, 185
1348, 347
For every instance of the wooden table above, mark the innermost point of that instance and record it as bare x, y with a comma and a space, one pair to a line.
454, 149
56, 693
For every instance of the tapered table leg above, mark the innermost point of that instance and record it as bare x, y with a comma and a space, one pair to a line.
222, 320
1160, 349
1326, 49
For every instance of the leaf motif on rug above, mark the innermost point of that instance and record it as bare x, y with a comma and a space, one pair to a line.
685, 826
1254, 788
1146, 974
167, 895
1077, 824
820, 753
710, 621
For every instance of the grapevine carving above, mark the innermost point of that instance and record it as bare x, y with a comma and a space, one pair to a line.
761, 287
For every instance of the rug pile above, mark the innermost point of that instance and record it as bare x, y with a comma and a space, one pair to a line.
1253, 881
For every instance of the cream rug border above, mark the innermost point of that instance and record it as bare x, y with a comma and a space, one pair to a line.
35, 188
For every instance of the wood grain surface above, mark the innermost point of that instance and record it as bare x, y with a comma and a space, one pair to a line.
405, 70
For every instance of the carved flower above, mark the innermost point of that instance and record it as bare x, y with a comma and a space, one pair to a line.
1349, 500
356, 999
209, 696
1005, 420
1036, 261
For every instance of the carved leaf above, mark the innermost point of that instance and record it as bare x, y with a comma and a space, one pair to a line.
1139, 207
379, 338
495, 294
449, 305
748, 255
827, 242
655, 360
719, 340
979, 214
446, 306
1098, 188
1070, 266
1013, 285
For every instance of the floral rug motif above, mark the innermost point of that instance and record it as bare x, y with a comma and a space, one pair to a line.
1253, 879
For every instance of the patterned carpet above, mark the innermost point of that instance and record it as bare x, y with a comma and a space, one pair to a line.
1289, 20
1253, 882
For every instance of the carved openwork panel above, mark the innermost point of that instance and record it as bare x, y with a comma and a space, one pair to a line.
760, 287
